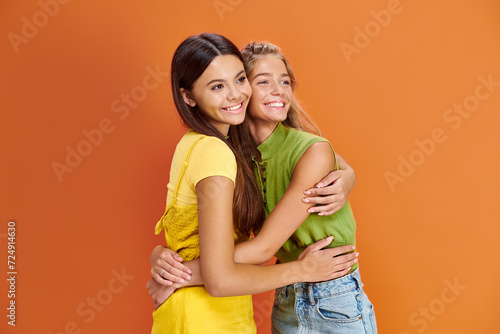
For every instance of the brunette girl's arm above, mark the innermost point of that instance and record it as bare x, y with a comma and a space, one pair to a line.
291, 211
280, 225
222, 276
160, 292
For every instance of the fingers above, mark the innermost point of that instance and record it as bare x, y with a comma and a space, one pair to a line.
174, 271
172, 274
341, 273
329, 195
169, 272
175, 255
319, 244
330, 190
321, 199
325, 210
331, 212
159, 294
341, 268
344, 268
174, 260
338, 188
333, 252
347, 260
173, 267
148, 285
330, 178
161, 280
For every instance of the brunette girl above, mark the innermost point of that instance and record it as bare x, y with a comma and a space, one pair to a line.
213, 200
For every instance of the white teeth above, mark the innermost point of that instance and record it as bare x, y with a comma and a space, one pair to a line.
233, 108
275, 104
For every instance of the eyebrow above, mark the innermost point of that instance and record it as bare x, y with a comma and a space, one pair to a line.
222, 80
265, 74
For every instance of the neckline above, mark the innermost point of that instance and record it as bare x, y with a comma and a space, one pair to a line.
273, 143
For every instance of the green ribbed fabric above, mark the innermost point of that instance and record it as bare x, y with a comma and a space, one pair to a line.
280, 153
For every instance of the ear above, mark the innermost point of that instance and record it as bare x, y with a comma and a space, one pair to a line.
188, 97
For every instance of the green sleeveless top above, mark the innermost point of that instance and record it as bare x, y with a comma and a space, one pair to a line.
280, 153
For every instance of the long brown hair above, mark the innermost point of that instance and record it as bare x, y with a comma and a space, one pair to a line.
297, 117
190, 60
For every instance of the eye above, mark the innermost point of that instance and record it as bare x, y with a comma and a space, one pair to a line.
217, 87
263, 82
241, 80
285, 82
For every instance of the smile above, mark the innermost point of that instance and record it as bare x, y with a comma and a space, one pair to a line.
234, 108
275, 104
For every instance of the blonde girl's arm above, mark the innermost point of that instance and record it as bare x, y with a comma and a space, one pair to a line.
333, 191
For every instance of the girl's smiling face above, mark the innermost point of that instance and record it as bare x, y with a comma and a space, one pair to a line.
272, 91
221, 93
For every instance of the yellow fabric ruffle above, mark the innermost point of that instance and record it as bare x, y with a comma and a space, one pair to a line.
181, 230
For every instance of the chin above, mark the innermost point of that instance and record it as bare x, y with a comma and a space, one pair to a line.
281, 117
237, 121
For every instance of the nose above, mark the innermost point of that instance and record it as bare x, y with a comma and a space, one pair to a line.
277, 89
233, 93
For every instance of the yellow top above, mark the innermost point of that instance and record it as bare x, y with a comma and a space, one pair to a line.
203, 156
210, 157
192, 310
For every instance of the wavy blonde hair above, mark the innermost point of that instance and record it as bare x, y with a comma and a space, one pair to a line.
297, 117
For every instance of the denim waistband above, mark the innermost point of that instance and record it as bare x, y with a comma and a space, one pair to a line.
333, 287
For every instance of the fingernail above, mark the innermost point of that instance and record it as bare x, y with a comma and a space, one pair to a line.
189, 271
330, 238
355, 260
357, 254
319, 185
188, 277
305, 200
181, 280
307, 192
321, 214
310, 210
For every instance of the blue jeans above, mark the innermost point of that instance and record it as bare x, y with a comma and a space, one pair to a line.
336, 306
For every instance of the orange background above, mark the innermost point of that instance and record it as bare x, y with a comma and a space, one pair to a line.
436, 225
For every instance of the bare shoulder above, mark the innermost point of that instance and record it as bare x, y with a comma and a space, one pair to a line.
317, 161
319, 152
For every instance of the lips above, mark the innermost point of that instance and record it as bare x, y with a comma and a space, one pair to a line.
234, 109
275, 104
